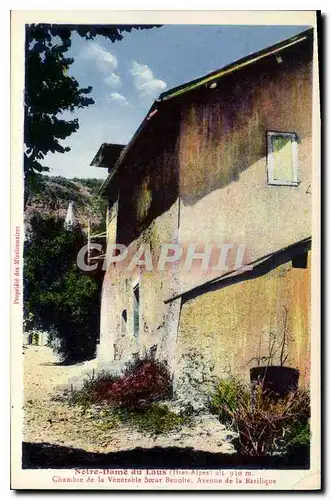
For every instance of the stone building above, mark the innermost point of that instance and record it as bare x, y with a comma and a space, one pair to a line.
223, 160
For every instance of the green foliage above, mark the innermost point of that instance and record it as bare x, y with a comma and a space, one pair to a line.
299, 434
93, 184
298, 429
57, 294
53, 193
63, 181
225, 397
156, 419
153, 420
49, 91
130, 399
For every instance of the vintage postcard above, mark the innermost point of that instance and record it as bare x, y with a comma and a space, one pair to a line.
165, 224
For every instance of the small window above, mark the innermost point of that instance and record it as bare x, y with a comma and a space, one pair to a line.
300, 261
283, 159
136, 301
124, 319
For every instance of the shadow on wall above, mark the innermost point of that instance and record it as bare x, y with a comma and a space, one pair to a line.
152, 167
203, 141
49, 456
223, 130
272, 262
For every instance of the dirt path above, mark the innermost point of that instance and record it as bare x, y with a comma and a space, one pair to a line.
47, 420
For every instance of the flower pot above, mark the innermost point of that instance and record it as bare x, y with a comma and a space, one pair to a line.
279, 380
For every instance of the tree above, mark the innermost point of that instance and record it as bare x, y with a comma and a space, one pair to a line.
58, 296
50, 90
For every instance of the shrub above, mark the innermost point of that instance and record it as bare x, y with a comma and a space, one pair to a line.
267, 425
95, 390
143, 382
298, 430
132, 399
225, 396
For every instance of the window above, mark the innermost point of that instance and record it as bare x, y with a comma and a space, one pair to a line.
300, 261
124, 319
136, 299
282, 159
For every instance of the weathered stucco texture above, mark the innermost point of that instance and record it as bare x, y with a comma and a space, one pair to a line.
158, 321
147, 214
231, 326
224, 191
198, 173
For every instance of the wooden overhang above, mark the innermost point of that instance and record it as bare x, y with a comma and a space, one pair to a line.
107, 155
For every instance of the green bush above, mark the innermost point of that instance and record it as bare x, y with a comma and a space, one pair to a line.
150, 418
131, 399
58, 295
299, 434
298, 429
265, 424
153, 420
268, 425
225, 397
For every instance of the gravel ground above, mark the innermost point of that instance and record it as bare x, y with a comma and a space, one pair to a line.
48, 420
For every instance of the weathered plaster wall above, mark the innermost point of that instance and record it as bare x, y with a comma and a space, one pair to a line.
147, 214
225, 196
158, 321
232, 325
216, 163
149, 178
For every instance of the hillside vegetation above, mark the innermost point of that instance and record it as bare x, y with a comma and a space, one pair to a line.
59, 297
51, 197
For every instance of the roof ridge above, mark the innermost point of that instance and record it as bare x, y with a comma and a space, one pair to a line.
244, 61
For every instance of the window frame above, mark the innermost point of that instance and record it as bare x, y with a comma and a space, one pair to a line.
270, 159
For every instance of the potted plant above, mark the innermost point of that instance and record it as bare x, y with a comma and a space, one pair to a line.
274, 376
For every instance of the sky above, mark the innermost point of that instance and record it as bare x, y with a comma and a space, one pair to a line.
128, 75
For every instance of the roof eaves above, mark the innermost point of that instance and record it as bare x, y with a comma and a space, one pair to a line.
97, 158
152, 111
194, 84
241, 63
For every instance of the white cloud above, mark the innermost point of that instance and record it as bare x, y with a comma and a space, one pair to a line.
144, 80
105, 61
118, 98
113, 80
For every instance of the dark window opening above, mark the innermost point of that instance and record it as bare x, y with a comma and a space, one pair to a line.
300, 261
136, 299
124, 319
